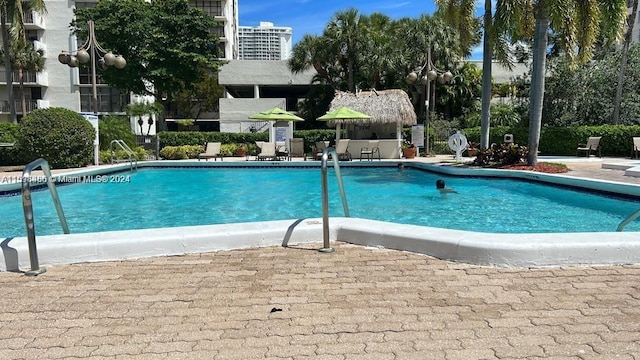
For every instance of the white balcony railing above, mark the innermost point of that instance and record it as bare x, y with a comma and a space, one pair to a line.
31, 105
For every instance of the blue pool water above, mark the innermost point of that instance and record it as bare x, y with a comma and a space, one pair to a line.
169, 197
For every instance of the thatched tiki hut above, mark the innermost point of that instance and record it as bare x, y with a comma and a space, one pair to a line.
389, 110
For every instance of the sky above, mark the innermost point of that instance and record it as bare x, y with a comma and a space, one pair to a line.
311, 16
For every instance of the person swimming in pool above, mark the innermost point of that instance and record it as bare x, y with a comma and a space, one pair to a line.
442, 187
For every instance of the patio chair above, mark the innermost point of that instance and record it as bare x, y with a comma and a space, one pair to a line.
592, 145
297, 147
370, 150
211, 150
636, 147
267, 151
319, 148
281, 151
342, 149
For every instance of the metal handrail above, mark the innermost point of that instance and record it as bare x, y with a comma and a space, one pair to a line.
325, 194
629, 219
27, 206
133, 159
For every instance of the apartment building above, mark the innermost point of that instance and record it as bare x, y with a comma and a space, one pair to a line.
264, 42
61, 86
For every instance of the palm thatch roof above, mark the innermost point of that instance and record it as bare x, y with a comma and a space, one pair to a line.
384, 106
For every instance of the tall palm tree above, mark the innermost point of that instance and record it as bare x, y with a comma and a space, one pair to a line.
577, 22
461, 15
345, 34
13, 10
27, 58
631, 20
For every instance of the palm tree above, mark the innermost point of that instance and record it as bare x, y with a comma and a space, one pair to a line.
24, 57
29, 59
577, 22
631, 20
142, 109
345, 34
13, 9
461, 15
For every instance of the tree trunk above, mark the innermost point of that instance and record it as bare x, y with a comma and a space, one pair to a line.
631, 19
540, 41
485, 122
7, 62
22, 97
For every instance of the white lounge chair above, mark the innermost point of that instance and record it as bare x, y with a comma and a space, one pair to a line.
636, 147
267, 151
370, 150
211, 150
592, 145
342, 149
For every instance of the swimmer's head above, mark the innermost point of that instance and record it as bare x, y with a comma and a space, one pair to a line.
440, 184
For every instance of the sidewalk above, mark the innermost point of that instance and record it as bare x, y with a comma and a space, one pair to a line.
298, 303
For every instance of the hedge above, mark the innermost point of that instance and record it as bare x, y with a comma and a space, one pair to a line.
617, 140
180, 138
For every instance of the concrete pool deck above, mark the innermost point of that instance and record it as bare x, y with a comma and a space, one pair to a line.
296, 303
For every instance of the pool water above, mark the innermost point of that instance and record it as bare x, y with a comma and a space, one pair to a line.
169, 197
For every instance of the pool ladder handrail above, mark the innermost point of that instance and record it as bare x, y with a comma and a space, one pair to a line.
629, 219
27, 206
133, 158
325, 194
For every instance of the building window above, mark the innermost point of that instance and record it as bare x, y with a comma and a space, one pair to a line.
212, 8
110, 100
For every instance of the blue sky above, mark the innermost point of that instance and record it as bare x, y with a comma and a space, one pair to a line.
311, 16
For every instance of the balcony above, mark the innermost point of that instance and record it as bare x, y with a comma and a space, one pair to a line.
31, 105
29, 78
33, 21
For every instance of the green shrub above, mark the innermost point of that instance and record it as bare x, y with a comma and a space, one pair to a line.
105, 155
9, 133
115, 128
228, 149
62, 137
181, 152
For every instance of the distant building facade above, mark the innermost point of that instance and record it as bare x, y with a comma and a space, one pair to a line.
264, 42
61, 86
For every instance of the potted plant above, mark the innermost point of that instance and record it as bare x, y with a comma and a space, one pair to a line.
472, 149
242, 150
409, 151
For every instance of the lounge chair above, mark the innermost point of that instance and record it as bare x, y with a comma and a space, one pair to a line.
297, 147
211, 150
592, 145
370, 150
267, 151
319, 148
342, 149
636, 147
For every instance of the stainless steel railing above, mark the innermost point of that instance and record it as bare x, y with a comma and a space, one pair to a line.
629, 219
325, 194
27, 206
132, 158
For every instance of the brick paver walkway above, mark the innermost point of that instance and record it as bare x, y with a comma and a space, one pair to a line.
295, 303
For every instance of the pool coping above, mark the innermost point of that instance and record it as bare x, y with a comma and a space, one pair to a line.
491, 249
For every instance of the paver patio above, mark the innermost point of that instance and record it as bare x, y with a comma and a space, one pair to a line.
297, 303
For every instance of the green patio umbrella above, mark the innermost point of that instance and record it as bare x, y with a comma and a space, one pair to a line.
275, 114
344, 114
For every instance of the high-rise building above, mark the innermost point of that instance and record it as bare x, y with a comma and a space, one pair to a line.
264, 42
61, 86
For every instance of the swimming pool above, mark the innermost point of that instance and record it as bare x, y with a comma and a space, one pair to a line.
172, 197
413, 194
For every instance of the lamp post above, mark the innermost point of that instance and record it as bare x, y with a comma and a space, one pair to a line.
91, 50
427, 73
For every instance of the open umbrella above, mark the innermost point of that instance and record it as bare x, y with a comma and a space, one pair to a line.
275, 114
344, 114
341, 116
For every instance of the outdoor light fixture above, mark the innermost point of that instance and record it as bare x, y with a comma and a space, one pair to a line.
99, 57
428, 73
